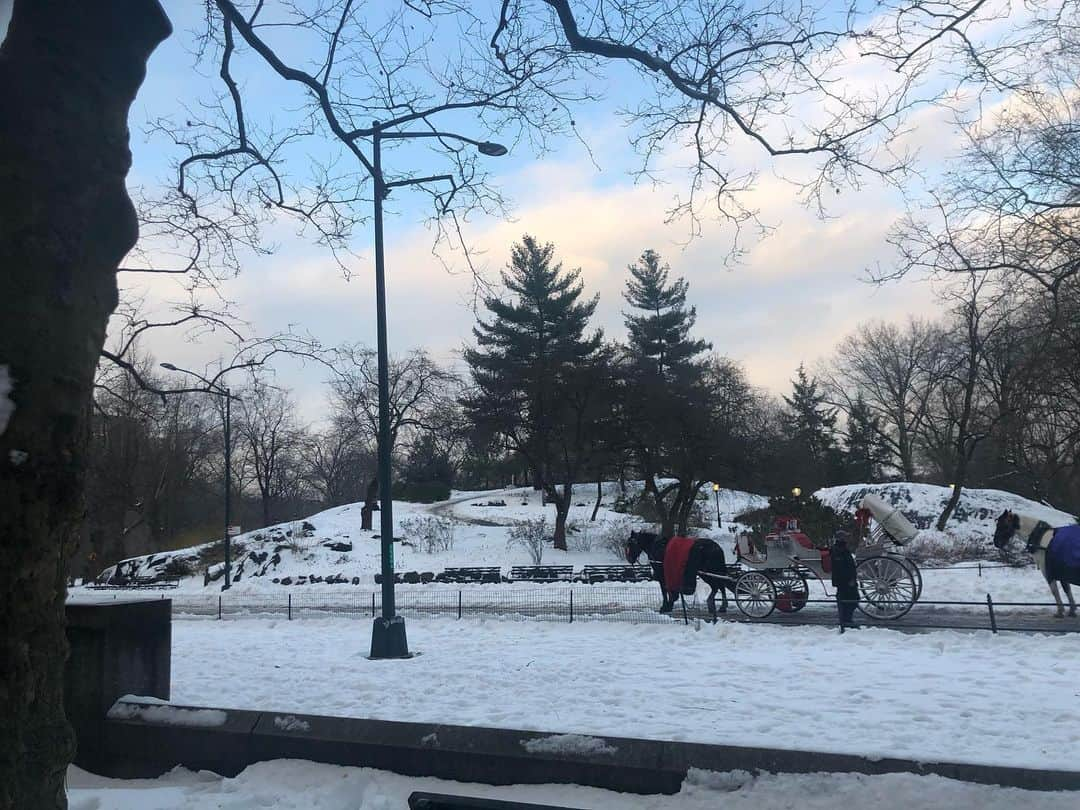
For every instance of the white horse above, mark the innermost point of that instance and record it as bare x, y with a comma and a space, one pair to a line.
1058, 564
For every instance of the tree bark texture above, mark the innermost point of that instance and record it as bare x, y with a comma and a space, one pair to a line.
561, 500
69, 70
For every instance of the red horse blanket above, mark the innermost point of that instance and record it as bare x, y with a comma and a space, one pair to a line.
675, 556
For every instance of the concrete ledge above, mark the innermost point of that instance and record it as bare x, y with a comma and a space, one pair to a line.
144, 745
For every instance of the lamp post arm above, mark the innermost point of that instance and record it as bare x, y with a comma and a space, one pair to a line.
408, 135
415, 181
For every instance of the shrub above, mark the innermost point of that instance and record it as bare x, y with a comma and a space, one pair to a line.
422, 491
215, 553
178, 568
531, 535
613, 534
932, 546
818, 521
430, 534
701, 516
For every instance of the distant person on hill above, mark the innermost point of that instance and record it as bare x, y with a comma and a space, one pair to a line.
843, 579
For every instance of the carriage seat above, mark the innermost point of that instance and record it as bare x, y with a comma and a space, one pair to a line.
747, 550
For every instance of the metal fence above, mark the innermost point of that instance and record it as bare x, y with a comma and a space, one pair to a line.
626, 603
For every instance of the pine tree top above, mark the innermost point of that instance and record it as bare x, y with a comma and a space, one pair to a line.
659, 331
541, 317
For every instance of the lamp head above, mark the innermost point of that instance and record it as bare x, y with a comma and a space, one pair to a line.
715, 487
491, 149
796, 491
169, 366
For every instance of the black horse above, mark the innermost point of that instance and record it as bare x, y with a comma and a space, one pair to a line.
706, 562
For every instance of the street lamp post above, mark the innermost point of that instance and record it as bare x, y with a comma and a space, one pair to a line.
221, 392
716, 494
388, 639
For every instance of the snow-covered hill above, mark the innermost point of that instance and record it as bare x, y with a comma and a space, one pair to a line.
474, 529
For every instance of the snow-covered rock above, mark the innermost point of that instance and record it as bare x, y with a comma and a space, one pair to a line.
329, 548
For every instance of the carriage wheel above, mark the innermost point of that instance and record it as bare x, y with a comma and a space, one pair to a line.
917, 574
886, 586
792, 592
755, 595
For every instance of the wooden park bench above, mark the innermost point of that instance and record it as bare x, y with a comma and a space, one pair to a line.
470, 574
615, 573
137, 583
542, 573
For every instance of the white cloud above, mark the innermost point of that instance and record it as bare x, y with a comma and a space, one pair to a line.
797, 292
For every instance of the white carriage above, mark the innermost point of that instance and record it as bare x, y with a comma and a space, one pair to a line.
775, 574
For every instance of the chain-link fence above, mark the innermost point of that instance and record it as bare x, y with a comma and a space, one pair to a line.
613, 603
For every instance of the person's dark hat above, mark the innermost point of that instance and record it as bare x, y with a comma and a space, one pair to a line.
842, 536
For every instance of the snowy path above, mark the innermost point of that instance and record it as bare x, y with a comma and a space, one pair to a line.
947, 696
295, 785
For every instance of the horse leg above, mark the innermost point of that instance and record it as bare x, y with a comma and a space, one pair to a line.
1069, 593
722, 587
1057, 598
665, 606
711, 602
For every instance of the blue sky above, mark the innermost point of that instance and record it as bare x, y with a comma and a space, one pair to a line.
794, 295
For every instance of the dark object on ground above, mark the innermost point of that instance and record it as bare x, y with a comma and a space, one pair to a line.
137, 583
422, 492
117, 648
444, 801
470, 574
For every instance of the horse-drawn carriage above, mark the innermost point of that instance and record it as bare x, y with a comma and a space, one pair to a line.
774, 574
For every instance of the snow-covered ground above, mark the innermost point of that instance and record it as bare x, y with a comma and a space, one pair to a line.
965, 697
297, 785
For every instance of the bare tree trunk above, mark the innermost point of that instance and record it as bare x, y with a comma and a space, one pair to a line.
599, 498
685, 507
950, 505
69, 71
562, 510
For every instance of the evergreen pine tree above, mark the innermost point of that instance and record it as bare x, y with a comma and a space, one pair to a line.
865, 451
666, 414
809, 426
809, 420
659, 329
532, 369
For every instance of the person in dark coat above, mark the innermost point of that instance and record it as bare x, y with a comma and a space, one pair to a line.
843, 579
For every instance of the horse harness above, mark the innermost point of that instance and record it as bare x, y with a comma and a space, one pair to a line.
1034, 540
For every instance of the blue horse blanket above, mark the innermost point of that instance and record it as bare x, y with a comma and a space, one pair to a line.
1063, 555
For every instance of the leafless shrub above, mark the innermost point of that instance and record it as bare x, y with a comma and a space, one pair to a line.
531, 535
613, 534
430, 534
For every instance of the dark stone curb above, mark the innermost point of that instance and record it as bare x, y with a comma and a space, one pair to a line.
146, 747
